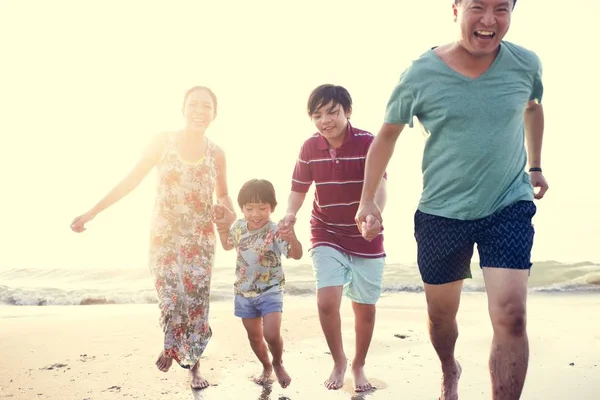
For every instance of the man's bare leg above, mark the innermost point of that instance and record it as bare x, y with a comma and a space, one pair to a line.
442, 306
364, 323
272, 333
328, 302
254, 329
509, 357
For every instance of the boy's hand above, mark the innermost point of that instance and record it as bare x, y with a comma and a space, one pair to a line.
223, 217
287, 234
370, 227
286, 226
218, 212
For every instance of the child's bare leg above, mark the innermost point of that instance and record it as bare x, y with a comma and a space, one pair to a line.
272, 333
255, 336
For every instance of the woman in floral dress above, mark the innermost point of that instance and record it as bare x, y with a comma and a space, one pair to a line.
182, 241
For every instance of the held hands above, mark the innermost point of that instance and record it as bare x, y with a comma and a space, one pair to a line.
78, 224
538, 182
368, 219
286, 227
370, 227
223, 217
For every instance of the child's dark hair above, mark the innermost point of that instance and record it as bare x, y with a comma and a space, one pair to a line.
323, 94
207, 90
514, 2
257, 191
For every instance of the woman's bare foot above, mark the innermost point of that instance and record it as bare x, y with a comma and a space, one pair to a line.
336, 379
282, 376
163, 363
265, 377
450, 380
361, 383
198, 382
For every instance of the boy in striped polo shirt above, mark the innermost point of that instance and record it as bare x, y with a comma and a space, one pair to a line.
343, 260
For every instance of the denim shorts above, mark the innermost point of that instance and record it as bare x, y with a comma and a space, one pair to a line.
445, 245
360, 277
259, 306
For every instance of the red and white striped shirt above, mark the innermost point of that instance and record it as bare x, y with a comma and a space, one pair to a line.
338, 175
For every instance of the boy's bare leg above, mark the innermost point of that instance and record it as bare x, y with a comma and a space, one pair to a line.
329, 300
364, 323
272, 334
254, 329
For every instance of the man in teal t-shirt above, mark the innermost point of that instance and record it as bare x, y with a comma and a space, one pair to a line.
476, 100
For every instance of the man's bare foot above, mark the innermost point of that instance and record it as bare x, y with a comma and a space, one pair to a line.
336, 379
265, 377
198, 382
163, 363
282, 376
361, 383
450, 380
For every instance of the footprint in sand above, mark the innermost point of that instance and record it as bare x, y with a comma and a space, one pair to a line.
86, 358
54, 366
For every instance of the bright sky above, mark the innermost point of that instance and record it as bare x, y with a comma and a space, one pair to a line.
84, 85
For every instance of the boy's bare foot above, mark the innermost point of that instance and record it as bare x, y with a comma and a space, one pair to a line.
361, 383
163, 363
336, 379
265, 377
198, 382
282, 376
450, 380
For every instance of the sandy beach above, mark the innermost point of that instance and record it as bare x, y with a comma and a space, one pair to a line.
108, 352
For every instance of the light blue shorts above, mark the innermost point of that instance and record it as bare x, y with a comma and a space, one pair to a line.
254, 307
360, 277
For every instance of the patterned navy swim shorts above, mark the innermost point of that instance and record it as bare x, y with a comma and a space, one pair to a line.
445, 245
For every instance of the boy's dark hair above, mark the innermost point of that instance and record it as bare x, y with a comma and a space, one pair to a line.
257, 191
207, 90
324, 94
458, 1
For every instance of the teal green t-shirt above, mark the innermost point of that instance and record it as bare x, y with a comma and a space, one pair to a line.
474, 158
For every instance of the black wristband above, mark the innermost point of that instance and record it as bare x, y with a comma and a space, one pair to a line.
535, 169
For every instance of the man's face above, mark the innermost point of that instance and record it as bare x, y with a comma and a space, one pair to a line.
483, 24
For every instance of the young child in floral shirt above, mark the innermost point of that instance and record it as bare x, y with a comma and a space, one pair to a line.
259, 274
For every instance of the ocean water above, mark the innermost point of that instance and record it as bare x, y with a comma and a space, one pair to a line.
40, 287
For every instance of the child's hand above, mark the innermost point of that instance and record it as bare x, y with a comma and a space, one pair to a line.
370, 227
223, 217
286, 226
218, 212
287, 234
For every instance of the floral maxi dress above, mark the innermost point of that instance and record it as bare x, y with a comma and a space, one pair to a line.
182, 249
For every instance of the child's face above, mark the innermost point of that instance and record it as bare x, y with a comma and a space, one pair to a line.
331, 121
257, 214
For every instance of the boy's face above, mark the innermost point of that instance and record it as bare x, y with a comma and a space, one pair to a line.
331, 121
257, 214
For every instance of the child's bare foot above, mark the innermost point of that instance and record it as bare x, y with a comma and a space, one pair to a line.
265, 377
198, 382
361, 383
282, 376
336, 379
163, 363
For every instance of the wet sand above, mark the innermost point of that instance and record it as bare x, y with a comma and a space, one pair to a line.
108, 352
